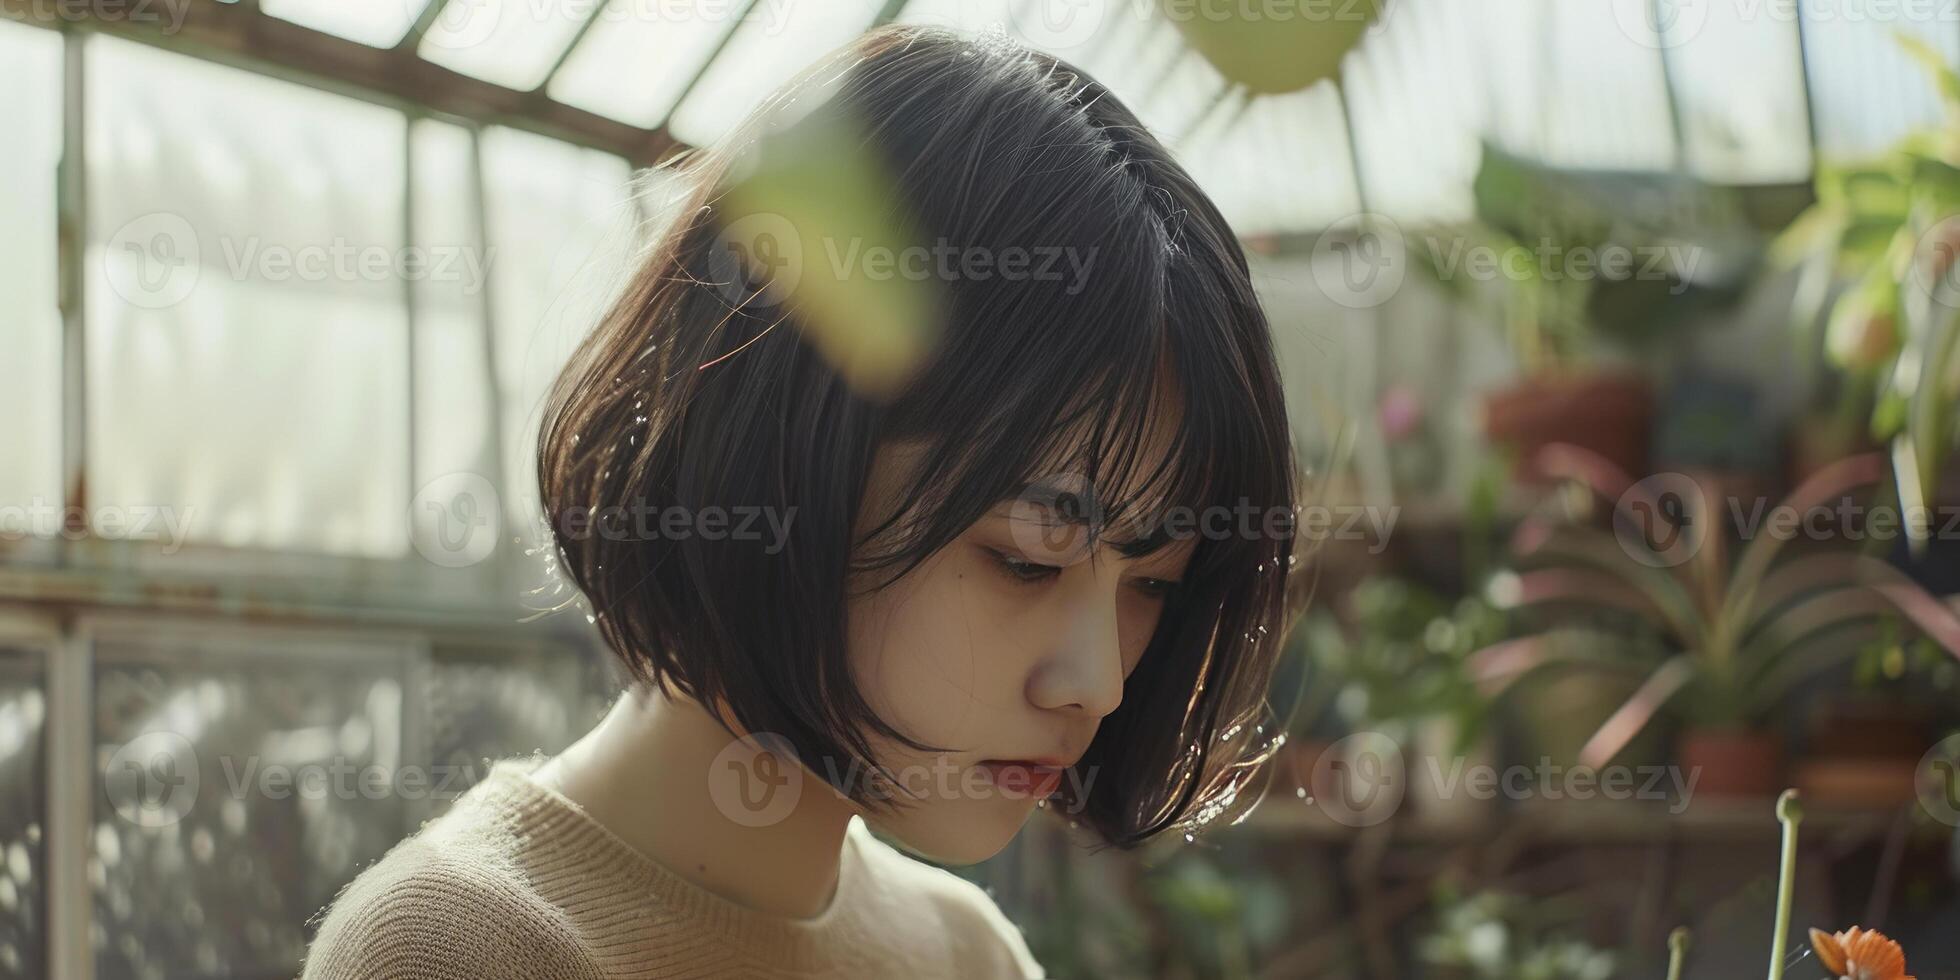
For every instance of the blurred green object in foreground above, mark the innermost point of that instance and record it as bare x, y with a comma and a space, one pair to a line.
809, 216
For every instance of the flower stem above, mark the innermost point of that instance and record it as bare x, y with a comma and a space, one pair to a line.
1789, 813
1677, 952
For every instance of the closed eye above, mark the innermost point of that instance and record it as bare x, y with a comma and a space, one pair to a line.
1023, 570
1020, 569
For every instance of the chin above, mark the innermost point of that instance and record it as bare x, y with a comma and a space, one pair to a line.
967, 832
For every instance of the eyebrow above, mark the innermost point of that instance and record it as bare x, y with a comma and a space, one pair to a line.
1073, 506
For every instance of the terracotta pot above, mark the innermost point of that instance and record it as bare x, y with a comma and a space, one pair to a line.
1726, 763
1608, 413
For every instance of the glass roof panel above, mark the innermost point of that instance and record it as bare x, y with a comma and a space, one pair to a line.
766, 50
634, 65
380, 23
513, 43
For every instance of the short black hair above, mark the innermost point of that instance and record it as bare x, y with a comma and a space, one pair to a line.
685, 395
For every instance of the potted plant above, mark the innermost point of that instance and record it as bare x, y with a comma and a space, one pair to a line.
1876, 258
1739, 635
1542, 234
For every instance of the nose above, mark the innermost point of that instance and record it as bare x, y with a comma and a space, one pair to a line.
1082, 672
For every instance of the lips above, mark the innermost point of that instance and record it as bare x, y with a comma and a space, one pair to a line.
1022, 777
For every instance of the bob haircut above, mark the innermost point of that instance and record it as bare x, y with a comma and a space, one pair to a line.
684, 396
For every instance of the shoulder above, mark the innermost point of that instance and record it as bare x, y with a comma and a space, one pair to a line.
983, 939
437, 908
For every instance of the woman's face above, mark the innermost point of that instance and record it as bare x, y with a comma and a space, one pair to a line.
1011, 643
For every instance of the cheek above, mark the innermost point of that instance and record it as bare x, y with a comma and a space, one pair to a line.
933, 654
1137, 621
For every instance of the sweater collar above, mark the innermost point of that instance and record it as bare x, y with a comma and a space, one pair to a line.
568, 852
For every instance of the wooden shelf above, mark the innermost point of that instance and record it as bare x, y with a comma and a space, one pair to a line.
1572, 821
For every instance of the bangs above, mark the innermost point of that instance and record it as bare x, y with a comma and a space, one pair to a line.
1119, 459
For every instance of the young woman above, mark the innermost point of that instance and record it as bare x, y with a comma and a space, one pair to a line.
1048, 569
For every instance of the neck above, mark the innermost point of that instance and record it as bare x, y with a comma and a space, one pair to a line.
643, 773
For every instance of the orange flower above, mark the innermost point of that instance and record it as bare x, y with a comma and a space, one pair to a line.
1859, 954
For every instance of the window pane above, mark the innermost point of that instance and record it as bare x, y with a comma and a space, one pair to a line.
30, 322
508, 42
1233, 163
764, 53
1739, 79
1866, 91
23, 804
247, 321
233, 805
454, 407
562, 224
1606, 97
634, 64
489, 703
1416, 122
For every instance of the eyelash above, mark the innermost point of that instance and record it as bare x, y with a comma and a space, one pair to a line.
1022, 570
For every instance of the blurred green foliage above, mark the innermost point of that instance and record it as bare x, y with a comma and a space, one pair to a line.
1495, 936
1403, 656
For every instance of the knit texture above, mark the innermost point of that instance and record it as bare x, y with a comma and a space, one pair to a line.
516, 881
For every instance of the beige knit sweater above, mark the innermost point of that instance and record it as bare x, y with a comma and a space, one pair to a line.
516, 881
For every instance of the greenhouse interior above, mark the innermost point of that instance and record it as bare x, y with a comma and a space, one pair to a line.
1620, 351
